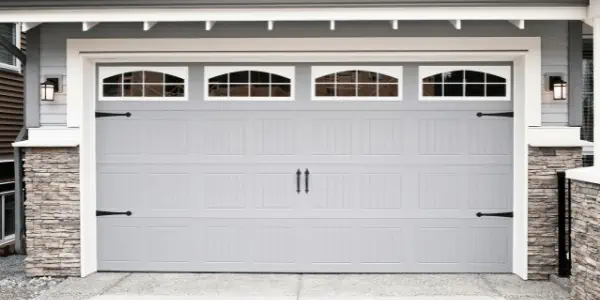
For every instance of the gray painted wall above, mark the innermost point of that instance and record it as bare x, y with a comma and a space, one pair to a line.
554, 44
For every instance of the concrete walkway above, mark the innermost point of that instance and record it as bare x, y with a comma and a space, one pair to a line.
155, 286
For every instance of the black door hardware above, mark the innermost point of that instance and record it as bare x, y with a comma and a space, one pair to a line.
306, 174
508, 114
298, 174
100, 213
100, 114
502, 214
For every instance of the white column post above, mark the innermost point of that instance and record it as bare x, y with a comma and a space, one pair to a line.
596, 26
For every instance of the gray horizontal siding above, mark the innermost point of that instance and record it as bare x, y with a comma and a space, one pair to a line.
245, 3
553, 34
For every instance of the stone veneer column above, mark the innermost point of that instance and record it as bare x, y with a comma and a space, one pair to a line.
544, 162
52, 211
585, 236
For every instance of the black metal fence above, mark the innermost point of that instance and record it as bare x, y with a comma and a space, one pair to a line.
564, 225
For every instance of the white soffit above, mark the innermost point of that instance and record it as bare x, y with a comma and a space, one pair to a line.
294, 14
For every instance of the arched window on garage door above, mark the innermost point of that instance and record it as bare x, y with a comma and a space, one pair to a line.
138, 83
358, 83
249, 83
483, 83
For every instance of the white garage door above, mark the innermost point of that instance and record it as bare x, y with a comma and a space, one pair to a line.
305, 169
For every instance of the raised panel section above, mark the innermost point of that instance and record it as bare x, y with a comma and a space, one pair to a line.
489, 191
165, 137
225, 191
219, 137
381, 191
331, 137
169, 192
178, 241
224, 244
488, 245
331, 245
439, 191
438, 245
128, 238
276, 245
490, 137
440, 137
386, 245
277, 137
275, 191
330, 191
122, 137
119, 191
382, 137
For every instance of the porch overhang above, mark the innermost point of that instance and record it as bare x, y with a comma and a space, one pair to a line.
147, 17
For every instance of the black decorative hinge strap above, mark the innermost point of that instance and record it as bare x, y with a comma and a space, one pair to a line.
100, 213
509, 214
100, 114
508, 114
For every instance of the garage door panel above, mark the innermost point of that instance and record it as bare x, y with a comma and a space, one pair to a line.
394, 186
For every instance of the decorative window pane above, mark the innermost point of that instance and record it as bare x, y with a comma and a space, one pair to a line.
143, 83
357, 83
465, 83
249, 83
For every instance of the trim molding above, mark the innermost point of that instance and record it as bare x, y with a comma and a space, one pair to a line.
84, 54
141, 14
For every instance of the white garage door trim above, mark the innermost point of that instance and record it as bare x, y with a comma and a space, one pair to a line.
83, 54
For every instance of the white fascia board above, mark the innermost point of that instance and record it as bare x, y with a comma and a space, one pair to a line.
588, 174
295, 14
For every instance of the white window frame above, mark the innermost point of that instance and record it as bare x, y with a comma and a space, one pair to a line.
502, 71
393, 71
108, 71
285, 71
16, 65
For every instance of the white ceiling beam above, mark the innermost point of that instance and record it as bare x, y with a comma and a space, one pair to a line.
209, 25
270, 25
394, 24
518, 23
26, 26
332, 25
457, 24
85, 26
295, 14
149, 25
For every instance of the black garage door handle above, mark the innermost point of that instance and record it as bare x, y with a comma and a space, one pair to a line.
100, 213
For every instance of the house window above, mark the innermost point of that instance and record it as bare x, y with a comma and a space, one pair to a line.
357, 83
464, 83
249, 83
138, 83
7, 60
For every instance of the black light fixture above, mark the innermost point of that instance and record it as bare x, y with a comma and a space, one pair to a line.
48, 88
558, 87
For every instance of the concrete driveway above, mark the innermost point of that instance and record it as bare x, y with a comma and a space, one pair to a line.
155, 286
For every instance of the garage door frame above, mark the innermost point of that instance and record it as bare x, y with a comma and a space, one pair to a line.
84, 54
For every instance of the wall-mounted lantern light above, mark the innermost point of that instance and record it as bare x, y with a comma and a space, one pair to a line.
48, 88
558, 87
